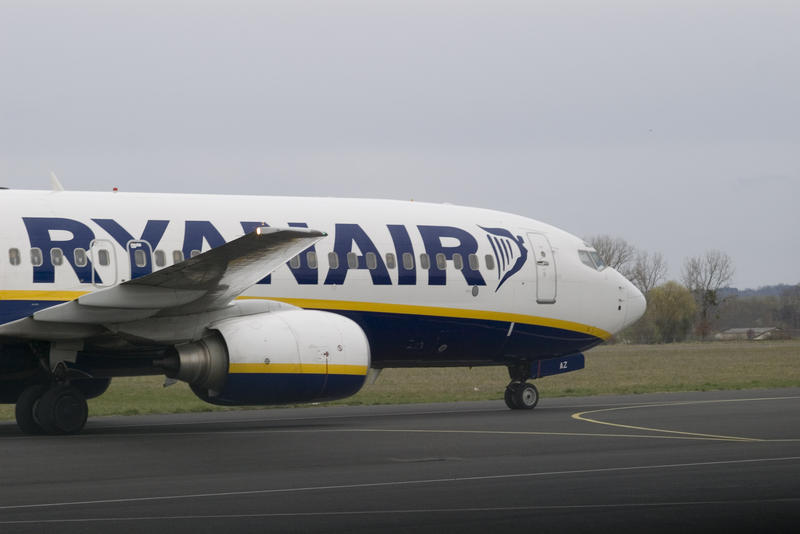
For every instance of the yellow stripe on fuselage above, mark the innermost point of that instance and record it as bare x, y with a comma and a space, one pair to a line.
298, 368
24, 294
374, 307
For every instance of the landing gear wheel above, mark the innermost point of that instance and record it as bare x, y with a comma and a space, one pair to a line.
510, 395
526, 396
62, 410
24, 410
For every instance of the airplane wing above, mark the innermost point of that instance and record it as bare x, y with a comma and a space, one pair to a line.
209, 281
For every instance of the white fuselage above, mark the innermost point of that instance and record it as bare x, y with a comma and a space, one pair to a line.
395, 260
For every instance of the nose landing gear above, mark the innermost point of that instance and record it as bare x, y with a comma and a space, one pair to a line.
521, 396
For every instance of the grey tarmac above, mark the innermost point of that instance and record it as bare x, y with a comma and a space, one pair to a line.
723, 461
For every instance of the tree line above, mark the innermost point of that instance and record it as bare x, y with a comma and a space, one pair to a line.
698, 305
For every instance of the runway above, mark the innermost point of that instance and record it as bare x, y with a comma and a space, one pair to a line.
687, 462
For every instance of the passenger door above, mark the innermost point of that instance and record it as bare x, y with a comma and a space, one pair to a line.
545, 269
104, 265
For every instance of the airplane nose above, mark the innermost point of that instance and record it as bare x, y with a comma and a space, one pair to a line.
637, 305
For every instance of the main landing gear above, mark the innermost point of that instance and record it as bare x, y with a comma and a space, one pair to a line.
520, 395
57, 409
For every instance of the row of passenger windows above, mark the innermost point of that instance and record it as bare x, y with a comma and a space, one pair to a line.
81, 259
406, 258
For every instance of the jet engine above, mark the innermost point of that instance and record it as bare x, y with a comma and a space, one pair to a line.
274, 358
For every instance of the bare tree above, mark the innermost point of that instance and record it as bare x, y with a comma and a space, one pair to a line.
615, 251
647, 271
704, 275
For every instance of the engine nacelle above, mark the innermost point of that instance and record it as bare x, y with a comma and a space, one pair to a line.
276, 358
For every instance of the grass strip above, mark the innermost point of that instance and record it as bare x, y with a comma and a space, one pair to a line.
610, 369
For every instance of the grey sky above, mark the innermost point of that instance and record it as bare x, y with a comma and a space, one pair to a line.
675, 125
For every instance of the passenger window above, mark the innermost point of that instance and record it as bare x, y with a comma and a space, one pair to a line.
194, 253
489, 261
372, 261
424, 261
473, 262
139, 257
56, 256
458, 262
352, 260
36, 257
160, 257
333, 260
311, 259
408, 261
177, 256
80, 257
390, 263
294, 263
441, 263
13, 256
103, 257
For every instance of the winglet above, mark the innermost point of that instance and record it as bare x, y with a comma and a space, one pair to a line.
55, 183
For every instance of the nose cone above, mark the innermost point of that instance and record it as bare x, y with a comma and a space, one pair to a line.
637, 305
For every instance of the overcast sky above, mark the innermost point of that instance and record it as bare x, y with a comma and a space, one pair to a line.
675, 125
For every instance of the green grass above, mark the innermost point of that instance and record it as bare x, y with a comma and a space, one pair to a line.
612, 369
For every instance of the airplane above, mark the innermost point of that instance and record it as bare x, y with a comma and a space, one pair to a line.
256, 300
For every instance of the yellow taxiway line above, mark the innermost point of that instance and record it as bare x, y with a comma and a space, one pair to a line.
581, 416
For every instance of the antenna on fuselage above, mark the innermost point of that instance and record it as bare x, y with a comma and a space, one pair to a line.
55, 183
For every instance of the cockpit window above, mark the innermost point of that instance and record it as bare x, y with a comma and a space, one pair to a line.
598, 261
592, 259
586, 258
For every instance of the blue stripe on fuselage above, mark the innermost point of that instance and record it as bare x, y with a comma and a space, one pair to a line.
12, 310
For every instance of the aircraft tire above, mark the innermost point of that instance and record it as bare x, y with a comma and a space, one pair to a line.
62, 410
510, 396
25, 407
526, 396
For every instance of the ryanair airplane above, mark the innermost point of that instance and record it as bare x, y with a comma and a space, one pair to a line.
275, 300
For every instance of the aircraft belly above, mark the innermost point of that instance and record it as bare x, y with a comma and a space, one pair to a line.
535, 342
397, 340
